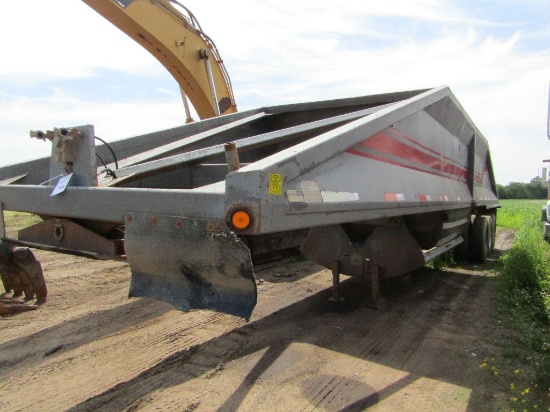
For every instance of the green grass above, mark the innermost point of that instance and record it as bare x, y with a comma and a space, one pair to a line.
525, 268
515, 214
525, 289
16, 221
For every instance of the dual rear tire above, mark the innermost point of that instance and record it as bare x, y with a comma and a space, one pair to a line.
483, 237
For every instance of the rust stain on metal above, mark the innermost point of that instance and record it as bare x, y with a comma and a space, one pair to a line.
214, 227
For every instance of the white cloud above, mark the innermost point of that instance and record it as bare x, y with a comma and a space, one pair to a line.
287, 51
63, 39
112, 121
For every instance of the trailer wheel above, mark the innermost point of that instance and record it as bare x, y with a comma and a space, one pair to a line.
482, 239
462, 251
493, 228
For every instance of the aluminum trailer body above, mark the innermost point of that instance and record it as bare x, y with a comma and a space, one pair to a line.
371, 187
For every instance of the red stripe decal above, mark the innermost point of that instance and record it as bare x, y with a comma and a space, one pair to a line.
478, 177
410, 139
386, 144
391, 162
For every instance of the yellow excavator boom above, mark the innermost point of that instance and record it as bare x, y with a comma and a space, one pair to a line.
179, 44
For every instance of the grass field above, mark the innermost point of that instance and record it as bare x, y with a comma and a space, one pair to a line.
516, 214
18, 220
524, 296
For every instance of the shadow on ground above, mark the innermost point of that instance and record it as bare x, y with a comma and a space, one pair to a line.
416, 306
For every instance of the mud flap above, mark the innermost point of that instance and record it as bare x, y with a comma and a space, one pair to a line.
190, 263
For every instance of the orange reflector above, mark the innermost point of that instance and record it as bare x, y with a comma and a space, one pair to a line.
240, 219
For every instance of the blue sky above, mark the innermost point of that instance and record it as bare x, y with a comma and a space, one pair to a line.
63, 65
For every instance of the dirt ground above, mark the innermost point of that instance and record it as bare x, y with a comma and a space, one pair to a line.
91, 348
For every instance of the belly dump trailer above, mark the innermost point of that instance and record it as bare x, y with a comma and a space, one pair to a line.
371, 187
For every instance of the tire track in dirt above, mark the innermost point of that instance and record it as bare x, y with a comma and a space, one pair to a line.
299, 352
211, 355
437, 306
390, 346
89, 335
446, 307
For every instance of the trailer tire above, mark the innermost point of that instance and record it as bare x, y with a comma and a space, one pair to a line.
493, 228
462, 251
482, 238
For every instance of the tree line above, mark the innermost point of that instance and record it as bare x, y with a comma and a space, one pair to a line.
535, 189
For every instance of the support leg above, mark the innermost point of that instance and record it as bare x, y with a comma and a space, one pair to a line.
375, 281
376, 299
336, 283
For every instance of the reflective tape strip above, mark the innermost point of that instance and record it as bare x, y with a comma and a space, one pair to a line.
394, 197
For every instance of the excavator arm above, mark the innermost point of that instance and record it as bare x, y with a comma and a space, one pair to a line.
179, 44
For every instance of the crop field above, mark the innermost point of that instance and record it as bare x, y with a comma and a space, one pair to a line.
516, 214
524, 296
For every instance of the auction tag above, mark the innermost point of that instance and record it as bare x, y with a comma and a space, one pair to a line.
62, 185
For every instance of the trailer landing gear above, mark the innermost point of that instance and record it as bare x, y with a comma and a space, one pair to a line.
376, 299
336, 296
